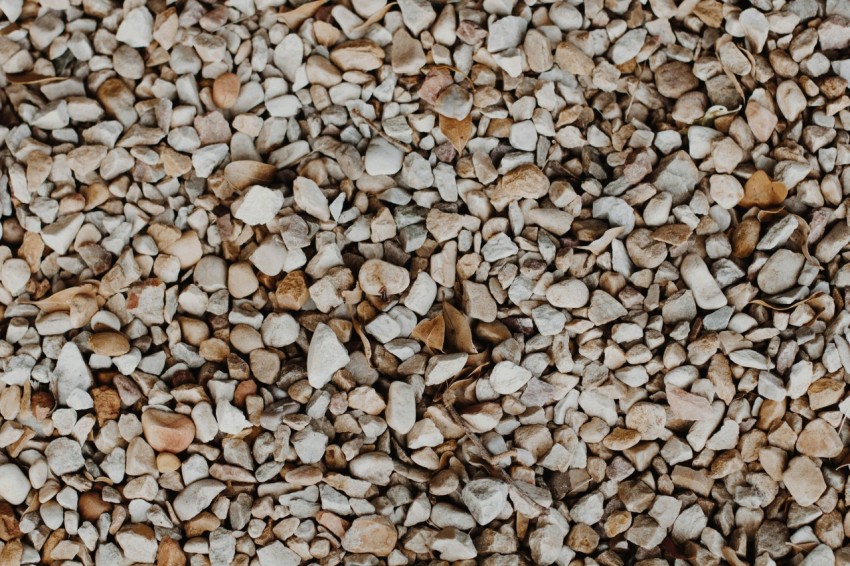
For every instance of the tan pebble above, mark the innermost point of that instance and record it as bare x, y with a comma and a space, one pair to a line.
166, 431
225, 90
109, 344
167, 462
304, 475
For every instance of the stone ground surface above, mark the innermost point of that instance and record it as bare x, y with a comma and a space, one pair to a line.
481, 282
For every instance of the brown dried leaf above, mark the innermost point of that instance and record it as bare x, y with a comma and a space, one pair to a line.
458, 331
225, 90
11, 28
460, 388
764, 215
31, 78
673, 234
477, 361
801, 238
367, 348
373, 19
431, 332
458, 132
242, 174
601, 244
294, 18
761, 192
789, 307
61, 300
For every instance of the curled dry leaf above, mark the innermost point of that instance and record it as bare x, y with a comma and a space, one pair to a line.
62, 300
673, 234
715, 112
458, 132
599, 245
761, 192
765, 304
225, 90
373, 19
458, 331
294, 18
801, 238
243, 174
31, 78
431, 332
367, 347
11, 28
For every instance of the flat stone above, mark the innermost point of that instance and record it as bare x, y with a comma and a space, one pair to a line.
373, 534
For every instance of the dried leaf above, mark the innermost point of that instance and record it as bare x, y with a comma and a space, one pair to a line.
242, 174
458, 331
789, 307
294, 18
367, 348
431, 332
761, 192
458, 132
373, 19
601, 244
478, 361
31, 78
715, 112
225, 90
673, 234
11, 28
729, 74
764, 215
801, 238
462, 390
61, 300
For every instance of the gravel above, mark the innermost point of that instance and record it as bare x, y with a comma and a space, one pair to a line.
424, 282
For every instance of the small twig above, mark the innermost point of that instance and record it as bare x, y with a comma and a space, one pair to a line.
402, 146
490, 459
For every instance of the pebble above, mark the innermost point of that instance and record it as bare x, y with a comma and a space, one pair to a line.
64, 456
14, 275
378, 277
258, 206
707, 293
71, 373
726, 190
780, 272
325, 356
196, 497
272, 277
166, 431
383, 158
790, 99
485, 499
401, 407
804, 480
507, 378
372, 534
14, 484
310, 198
570, 294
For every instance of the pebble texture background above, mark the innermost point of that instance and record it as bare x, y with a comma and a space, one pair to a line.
424, 282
